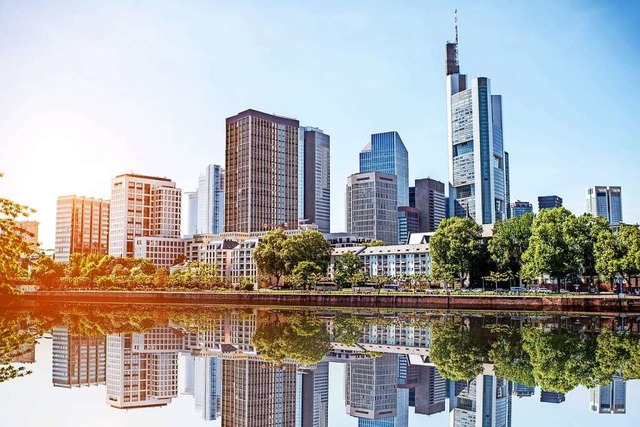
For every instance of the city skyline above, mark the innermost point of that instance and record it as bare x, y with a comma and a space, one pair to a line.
80, 106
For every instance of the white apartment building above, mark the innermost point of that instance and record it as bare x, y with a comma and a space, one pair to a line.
161, 251
142, 206
390, 260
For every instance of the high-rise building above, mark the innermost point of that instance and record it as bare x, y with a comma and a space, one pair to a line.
412, 197
477, 161
192, 213
430, 392
82, 226
606, 202
143, 206
207, 389
610, 398
430, 202
551, 397
507, 181
372, 206
211, 201
313, 397
314, 178
549, 202
77, 360
408, 222
371, 387
261, 172
386, 153
31, 235
483, 401
521, 390
519, 208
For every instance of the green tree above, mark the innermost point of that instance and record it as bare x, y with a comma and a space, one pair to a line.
454, 248
457, 352
509, 359
346, 267
47, 273
373, 243
510, 240
618, 253
348, 330
553, 247
589, 229
306, 273
269, 254
309, 246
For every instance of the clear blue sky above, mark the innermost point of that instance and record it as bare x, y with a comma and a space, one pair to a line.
91, 89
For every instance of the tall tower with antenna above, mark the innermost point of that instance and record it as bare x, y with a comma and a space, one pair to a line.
452, 65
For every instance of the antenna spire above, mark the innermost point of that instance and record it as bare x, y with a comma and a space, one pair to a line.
455, 19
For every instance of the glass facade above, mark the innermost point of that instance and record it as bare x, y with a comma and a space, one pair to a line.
386, 153
606, 202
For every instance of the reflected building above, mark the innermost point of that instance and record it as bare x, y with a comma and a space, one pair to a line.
551, 397
482, 402
142, 368
312, 399
257, 393
610, 398
371, 387
189, 374
430, 392
521, 390
77, 360
207, 389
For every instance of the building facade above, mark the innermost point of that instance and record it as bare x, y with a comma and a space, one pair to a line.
408, 222
261, 172
211, 201
605, 202
430, 202
483, 401
82, 226
191, 215
372, 206
314, 178
519, 208
142, 206
386, 153
31, 235
77, 360
610, 398
477, 161
549, 202
391, 260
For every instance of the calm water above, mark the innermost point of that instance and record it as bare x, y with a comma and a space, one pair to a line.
134, 365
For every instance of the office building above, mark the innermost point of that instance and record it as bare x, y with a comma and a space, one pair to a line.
483, 401
31, 235
314, 178
191, 215
430, 392
82, 226
551, 397
521, 390
313, 396
605, 202
412, 196
371, 389
211, 201
207, 389
610, 398
408, 222
77, 360
549, 202
257, 394
519, 208
387, 154
261, 172
430, 202
372, 207
507, 181
142, 206
477, 160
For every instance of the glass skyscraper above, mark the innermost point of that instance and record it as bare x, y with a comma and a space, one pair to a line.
386, 153
211, 201
478, 164
314, 177
606, 202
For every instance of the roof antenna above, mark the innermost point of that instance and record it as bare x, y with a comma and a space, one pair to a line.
456, 22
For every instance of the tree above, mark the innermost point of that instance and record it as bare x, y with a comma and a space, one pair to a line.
618, 253
454, 247
373, 243
47, 273
269, 254
346, 267
509, 359
306, 272
553, 247
380, 280
309, 246
456, 351
13, 247
589, 229
509, 242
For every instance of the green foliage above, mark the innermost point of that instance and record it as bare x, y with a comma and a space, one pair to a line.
348, 269
47, 273
348, 330
299, 337
457, 352
306, 273
454, 248
510, 360
589, 229
269, 254
553, 248
196, 275
373, 243
618, 253
14, 341
510, 240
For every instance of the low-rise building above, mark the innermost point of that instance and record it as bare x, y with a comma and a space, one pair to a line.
161, 251
389, 260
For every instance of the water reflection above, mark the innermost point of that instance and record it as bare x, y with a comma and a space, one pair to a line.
253, 367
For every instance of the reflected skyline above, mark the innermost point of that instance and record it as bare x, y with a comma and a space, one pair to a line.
388, 380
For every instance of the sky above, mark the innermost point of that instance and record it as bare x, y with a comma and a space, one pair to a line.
93, 89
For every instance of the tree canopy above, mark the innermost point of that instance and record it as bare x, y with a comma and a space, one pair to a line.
348, 269
510, 240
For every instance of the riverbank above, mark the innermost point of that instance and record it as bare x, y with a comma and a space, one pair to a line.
582, 303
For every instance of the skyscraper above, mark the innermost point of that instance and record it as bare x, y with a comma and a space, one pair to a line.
372, 206
408, 222
207, 387
77, 360
430, 202
314, 178
551, 397
386, 153
430, 392
211, 201
519, 208
483, 401
610, 398
606, 202
549, 202
192, 213
142, 206
313, 399
261, 172
82, 226
477, 161
371, 387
